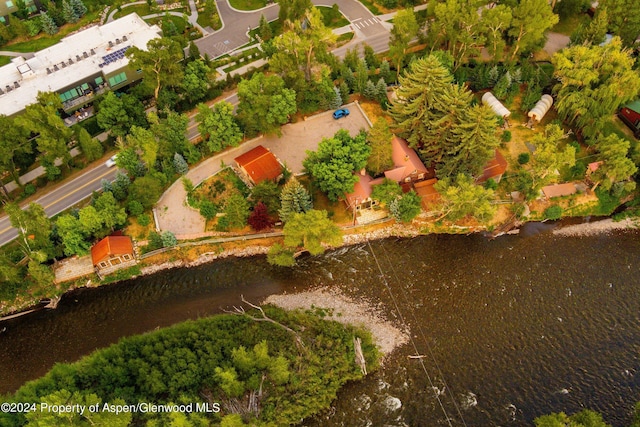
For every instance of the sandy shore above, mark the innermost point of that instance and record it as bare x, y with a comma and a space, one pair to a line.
597, 227
344, 310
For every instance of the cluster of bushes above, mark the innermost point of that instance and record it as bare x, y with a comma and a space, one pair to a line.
295, 365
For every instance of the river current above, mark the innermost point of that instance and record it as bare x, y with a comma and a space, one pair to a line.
506, 330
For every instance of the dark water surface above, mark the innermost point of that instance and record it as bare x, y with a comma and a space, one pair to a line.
510, 328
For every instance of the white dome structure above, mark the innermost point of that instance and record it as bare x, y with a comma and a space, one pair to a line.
497, 107
541, 108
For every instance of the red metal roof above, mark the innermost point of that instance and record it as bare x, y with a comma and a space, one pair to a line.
109, 246
260, 164
405, 160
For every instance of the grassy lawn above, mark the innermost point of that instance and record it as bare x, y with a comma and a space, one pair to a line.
344, 38
331, 18
338, 211
140, 9
371, 6
248, 4
209, 20
4, 60
568, 25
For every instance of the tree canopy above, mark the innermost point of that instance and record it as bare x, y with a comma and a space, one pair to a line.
462, 197
333, 165
218, 126
310, 230
160, 63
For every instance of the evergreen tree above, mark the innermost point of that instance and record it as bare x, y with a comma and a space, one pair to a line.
47, 23
344, 92
615, 166
385, 71
594, 33
294, 199
90, 147
370, 91
549, 155
236, 210
361, 77
69, 13
180, 164
336, 102
379, 138
381, 92
264, 29
79, 8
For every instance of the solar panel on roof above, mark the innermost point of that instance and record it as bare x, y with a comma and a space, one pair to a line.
114, 56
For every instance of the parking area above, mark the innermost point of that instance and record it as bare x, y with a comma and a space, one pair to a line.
299, 137
173, 214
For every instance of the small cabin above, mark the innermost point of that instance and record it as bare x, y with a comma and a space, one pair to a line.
112, 253
259, 165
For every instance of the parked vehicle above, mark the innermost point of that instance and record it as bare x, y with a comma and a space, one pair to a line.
343, 112
111, 162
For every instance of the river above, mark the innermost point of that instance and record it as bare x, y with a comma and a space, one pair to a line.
508, 329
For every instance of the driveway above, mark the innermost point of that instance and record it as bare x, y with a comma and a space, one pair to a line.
172, 212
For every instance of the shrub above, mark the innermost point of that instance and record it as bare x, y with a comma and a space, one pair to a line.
135, 208
208, 209
506, 136
144, 220
29, 189
553, 212
523, 158
490, 184
169, 239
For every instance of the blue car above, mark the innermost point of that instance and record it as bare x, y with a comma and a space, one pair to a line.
343, 112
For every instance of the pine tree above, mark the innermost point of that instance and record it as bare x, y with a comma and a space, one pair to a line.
180, 164
69, 13
295, 199
361, 77
344, 92
79, 7
385, 71
381, 91
370, 91
336, 102
48, 26
264, 29
379, 138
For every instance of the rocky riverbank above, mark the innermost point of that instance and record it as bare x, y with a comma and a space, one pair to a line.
340, 308
597, 227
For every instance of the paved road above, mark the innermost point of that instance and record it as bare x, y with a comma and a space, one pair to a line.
63, 197
236, 24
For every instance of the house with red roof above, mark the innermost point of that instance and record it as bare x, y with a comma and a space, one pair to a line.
112, 253
259, 165
494, 169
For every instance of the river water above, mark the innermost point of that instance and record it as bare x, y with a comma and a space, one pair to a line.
508, 329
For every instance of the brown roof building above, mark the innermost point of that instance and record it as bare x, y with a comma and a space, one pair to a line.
494, 169
259, 164
112, 253
559, 190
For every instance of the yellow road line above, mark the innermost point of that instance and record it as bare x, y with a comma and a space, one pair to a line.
67, 195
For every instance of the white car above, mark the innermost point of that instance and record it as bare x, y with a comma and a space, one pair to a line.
111, 162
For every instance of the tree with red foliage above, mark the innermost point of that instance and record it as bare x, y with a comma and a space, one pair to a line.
259, 218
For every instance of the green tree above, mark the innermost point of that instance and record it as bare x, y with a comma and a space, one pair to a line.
42, 118
79, 8
113, 117
169, 239
236, 209
111, 213
379, 138
13, 142
146, 190
294, 199
496, 21
196, 80
462, 197
218, 126
332, 166
406, 207
264, 29
405, 28
531, 20
457, 29
128, 160
281, 256
615, 166
47, 24
549, 155
160, 63
593, 82
624, 18
120, 185
268, 193
90, 221
171, 131
361, 77
594, 33
265, 103
145, 143
585, 418
386, 192
90, 147
292, 11
336, 102
34, 230
180, 164
72, 234
41, 274
310, 230
69, 13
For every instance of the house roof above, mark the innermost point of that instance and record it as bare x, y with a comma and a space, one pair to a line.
593, 166
559, 190
405, 160
495, 168
109, 246
260, 164
427, 192
362, 189
634, 106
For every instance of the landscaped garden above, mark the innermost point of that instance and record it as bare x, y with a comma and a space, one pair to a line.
248, 4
